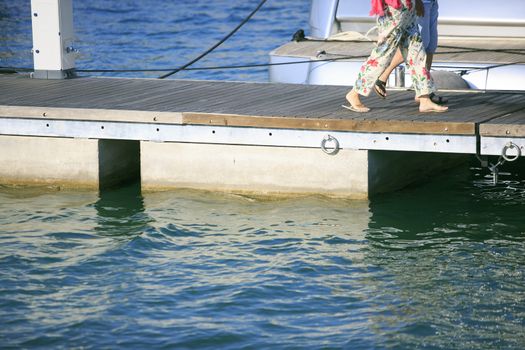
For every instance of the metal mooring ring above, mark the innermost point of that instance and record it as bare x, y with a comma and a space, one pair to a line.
510, 145
333, 150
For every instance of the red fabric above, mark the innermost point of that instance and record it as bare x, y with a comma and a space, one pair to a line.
378, 6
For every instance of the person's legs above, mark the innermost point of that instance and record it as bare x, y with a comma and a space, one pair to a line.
368, 74
399, 32
431, 47
396, 61
415, 58
430, 38
376, 64
379, 59
428, 28
430, 59
424, 25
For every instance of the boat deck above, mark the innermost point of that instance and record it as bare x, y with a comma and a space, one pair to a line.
52, 107
451, 50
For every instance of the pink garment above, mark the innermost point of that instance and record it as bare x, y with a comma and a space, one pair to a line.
378, 6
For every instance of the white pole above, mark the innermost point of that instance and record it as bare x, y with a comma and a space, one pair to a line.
53, 52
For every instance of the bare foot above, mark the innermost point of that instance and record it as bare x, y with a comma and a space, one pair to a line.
426, 106
355, 102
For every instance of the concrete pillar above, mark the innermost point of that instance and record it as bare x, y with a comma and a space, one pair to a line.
101, 164
259, 170
46, 160
70, 163
254, 169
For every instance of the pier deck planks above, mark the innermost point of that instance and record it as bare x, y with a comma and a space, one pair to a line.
272, 105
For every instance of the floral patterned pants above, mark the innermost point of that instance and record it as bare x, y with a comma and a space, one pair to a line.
397, 29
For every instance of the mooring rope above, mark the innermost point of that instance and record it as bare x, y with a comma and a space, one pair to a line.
171, 71
244, 21
256, 65
462, 71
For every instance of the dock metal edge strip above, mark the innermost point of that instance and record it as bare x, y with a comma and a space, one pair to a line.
228, 135
495, 145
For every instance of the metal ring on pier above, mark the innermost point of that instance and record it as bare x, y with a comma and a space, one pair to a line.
510, 145
333, 150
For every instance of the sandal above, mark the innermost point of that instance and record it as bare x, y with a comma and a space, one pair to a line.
362, 109
438, 99
380, 88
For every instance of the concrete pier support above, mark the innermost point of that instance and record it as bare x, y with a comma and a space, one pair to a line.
254, 169
260, 170
280, 170
67, 162
46, 160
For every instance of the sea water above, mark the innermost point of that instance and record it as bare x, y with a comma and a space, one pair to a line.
438, 265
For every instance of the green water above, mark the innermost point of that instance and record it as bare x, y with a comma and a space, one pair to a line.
439, 265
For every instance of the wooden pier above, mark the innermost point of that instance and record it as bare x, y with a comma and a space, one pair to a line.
192, 114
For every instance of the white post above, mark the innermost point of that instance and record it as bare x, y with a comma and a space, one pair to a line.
53, 52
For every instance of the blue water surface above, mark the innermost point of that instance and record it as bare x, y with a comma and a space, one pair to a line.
159, 34
439, 265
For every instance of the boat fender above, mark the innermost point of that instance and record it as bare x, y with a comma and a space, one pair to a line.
449, 80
